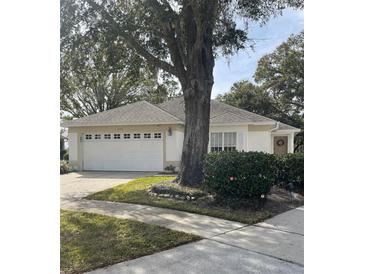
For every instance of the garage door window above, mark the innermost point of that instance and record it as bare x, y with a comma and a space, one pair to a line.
107, 136
88, 137
127, 136
157, 135
116, 136
137, 136
97, 136
147, 135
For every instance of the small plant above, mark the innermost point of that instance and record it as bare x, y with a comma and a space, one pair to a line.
64, 167
171, 168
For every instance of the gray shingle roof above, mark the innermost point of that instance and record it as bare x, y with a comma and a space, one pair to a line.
170, 112
220, 113
133, 114
283, 126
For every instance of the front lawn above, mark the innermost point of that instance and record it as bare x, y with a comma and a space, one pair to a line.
90, 241
136, 192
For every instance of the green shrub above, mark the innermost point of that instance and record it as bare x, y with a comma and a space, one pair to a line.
291, 170
239, 176
171, 168
64, 167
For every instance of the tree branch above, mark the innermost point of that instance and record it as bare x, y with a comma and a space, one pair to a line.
129, 39
147, 55
170, 33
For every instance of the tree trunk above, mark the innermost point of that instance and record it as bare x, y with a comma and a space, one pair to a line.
196, 135
197, 82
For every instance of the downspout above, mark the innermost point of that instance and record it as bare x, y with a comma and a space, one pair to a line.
276, 127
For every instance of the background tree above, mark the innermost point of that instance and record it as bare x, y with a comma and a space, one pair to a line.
181, 37
279, 92
247, 95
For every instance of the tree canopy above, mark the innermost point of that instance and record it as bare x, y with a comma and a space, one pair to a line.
98, 74
279, 89
182, 38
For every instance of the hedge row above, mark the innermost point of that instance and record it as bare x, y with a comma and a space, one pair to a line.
235, 176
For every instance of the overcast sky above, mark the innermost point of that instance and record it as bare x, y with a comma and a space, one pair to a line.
243, 65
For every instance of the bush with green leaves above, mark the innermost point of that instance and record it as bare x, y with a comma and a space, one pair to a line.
291, 171
239, 176
171, 168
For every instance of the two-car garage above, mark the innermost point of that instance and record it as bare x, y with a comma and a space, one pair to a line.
123, 151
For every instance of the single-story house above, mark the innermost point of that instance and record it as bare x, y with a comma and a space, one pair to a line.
147, 137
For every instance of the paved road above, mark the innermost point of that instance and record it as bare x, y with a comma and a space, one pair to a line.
273, 246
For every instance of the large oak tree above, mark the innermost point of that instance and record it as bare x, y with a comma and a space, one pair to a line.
182, 37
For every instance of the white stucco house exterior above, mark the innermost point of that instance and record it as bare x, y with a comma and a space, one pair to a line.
147, 137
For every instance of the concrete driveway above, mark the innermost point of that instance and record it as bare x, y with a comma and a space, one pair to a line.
76, 185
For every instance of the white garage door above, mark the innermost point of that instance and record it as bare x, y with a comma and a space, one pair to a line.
123, 152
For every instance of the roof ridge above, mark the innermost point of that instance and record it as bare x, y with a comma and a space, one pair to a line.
230, 112
168, 113
241, 109
108, 110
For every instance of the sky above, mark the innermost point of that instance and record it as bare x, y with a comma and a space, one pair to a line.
242, 66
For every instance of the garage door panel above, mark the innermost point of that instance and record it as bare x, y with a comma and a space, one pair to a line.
123, 155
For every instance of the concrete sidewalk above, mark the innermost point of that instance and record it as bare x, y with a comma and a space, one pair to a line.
261, 248
201, 225
203, 257
273, 246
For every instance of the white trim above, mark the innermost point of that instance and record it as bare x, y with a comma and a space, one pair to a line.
244, 124
124, 124
286, 131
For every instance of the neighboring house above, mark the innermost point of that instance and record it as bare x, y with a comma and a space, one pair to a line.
147, 137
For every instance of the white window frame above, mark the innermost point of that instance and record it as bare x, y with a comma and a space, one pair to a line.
107, 136
229, 145
125, 136
158, 134
147, 134
116, 134
137, 134
88, 136
221, 146
97, 136
215, 142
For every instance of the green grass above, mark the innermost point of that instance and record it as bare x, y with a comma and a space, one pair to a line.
90, 241
135, 192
